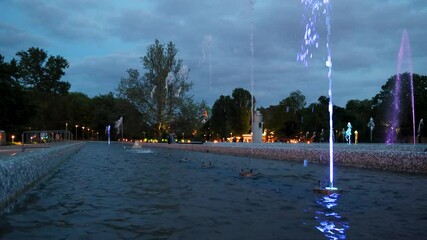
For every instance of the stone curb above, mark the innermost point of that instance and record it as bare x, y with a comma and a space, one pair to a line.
388, 160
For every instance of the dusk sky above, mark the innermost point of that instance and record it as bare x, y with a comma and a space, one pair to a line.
102, 39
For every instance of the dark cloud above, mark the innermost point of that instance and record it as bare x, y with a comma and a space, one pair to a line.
15, 39
99, 75
66, 20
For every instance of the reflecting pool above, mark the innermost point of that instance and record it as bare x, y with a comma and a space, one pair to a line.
116, 192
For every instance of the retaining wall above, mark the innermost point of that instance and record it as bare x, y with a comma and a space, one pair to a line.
20, 172
397, 158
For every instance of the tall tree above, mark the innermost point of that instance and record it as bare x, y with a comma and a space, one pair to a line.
14, 102
241, 111
190, 120
43, 73
159, 93
295, 101
41, 76
382, 104
222, 117
285, 119
292, 107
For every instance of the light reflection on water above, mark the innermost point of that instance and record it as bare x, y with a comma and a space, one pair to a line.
331, 224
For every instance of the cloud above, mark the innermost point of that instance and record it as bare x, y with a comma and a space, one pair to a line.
66, 20
100, 75
101, 39
15, 38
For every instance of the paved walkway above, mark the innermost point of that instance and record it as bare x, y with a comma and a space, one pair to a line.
12, 150
9, 150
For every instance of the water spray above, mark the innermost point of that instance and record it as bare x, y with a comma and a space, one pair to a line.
311, 37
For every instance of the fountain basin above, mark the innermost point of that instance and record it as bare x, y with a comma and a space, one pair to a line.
20, 172
397, 158
110, 192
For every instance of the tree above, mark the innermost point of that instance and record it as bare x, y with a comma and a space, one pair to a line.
293, 106
241, 111
295, 101
358, 113
382, 104
42, 73
14, 102
222, 117
190, 120
161, 91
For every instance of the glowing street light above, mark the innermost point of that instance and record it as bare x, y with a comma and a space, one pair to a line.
76, 129
83, 133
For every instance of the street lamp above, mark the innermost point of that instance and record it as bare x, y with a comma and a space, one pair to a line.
83, 133
13, 138
66, 129
76, 129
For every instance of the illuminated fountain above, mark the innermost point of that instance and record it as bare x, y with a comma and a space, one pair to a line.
316, 9
107, 130
394, 115
371, 126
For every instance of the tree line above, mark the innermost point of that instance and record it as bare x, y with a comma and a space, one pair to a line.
158, 102
293, 119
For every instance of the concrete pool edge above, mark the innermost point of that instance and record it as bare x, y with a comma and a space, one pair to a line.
19, 173
414, 162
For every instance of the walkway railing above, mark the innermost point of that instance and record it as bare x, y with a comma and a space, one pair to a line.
44, 138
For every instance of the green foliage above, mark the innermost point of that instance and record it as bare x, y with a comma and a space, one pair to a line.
285, 119
382, 105
161, 93
231, 115
358, 113
190, 120
41, 73
241, 111
221, 117
33, 94
14, 100
288, 121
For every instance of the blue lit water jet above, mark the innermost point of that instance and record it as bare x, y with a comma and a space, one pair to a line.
316, 8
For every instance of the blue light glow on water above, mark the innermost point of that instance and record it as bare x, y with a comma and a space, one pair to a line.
331, 224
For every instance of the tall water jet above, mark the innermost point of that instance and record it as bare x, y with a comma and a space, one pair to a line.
206, 47
404, 56
107, 131
249, 172
311, 37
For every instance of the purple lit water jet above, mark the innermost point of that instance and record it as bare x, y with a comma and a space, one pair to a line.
394, 115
